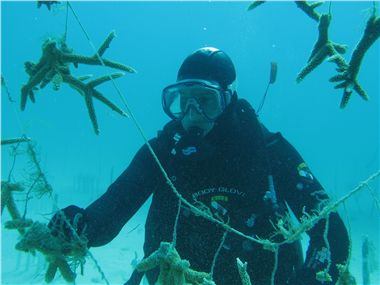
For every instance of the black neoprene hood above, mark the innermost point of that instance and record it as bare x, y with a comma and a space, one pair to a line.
208, 63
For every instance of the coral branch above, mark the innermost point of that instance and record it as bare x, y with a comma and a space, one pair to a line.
309, 8
348, 72
173, 269
18, 224
74, 58
44, 186
88, 91
38, 237
308, 221
255, 4
15, 140
105, 78
322, 49
105, 44
53, 67
242, 268
8, 201
371, 34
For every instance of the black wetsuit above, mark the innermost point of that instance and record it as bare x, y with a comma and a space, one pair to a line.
227, 171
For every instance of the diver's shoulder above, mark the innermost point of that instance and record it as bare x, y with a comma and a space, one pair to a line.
272, 138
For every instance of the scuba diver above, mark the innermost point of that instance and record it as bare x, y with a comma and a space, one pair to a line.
221, 158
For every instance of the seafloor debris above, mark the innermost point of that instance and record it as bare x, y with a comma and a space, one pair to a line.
53, 67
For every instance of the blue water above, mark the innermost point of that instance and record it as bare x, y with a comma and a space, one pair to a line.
340, 146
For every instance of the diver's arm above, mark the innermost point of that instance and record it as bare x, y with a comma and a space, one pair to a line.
302, 191
108, 214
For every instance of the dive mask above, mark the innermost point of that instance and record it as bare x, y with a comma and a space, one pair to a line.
206, 97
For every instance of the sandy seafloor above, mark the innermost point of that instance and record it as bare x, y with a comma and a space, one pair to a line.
340, 146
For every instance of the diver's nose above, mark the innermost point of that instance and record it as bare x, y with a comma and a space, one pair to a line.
193, 111
192, 108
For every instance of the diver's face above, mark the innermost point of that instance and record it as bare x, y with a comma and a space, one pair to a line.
200, 108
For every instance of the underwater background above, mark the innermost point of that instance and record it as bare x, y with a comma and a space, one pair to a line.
341, 146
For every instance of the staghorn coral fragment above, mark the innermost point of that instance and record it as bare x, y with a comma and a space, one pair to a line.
91, 111
105, 44
206, 281
308, 221
61, 264
43, 186
88, 91
39, 238
371, 34
340, 48
84, 88
317, 59
18, 224
50, 272
173, 269
15, 187
242, 268
74, 58
347, 73
198, 277
309, 8
339, 61
57, 80
47, 3
105, 78
255, 4
323, 38
338, 77
8, 201
323, 49
358, 89
27, 89
84, 77
345, 277
323, 276
14, 140
53, 67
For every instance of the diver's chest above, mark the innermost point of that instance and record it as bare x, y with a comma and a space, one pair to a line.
227, 180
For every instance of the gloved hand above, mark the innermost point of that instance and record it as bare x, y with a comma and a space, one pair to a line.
66, 221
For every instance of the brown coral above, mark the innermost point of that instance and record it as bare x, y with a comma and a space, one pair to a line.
53, 67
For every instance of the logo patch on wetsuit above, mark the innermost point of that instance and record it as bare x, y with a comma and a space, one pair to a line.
189, 150
304, 171
219, 198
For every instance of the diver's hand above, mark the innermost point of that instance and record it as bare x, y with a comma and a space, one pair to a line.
68, 223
